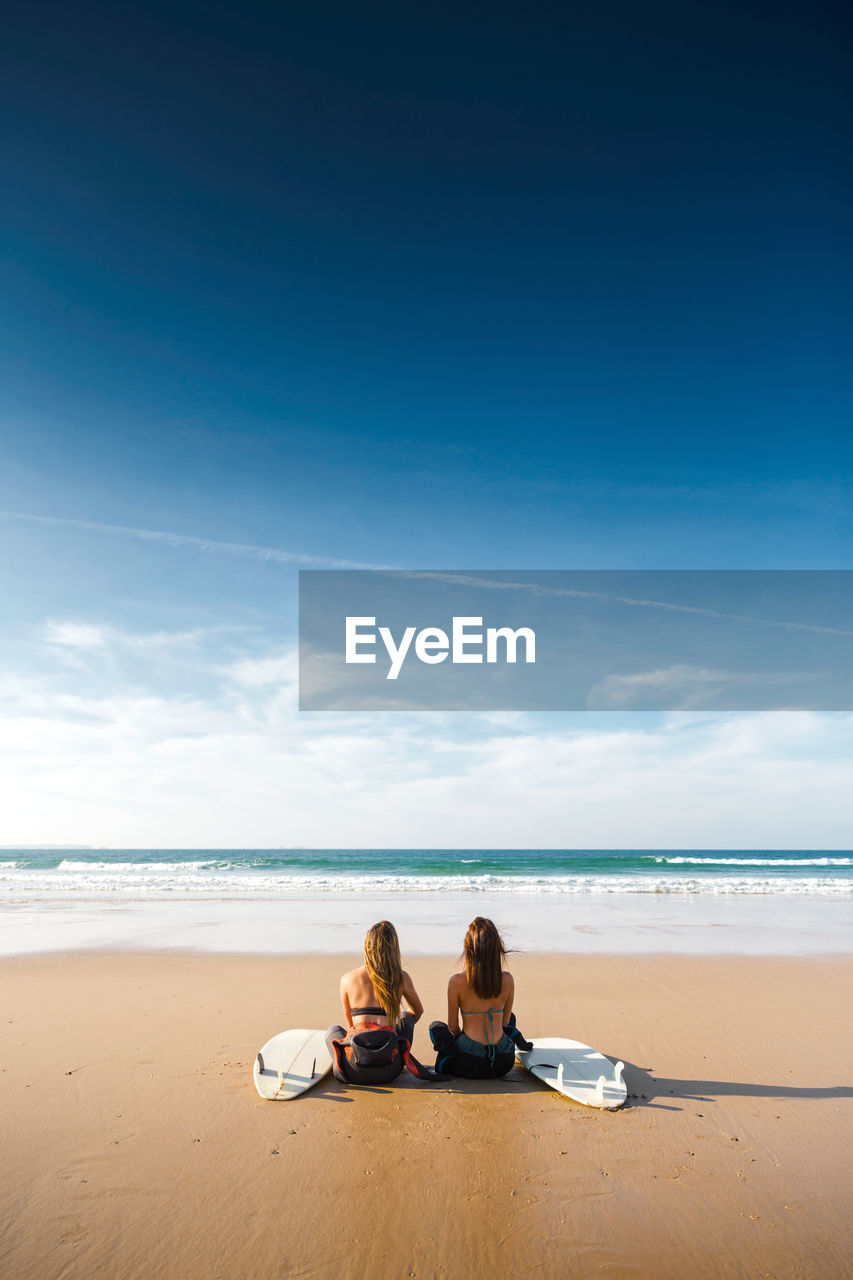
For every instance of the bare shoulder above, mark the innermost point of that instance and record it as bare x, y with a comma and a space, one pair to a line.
347, 978
457, 982
508, 981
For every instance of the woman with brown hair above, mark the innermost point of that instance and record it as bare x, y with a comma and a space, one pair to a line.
481, 997
376, 1043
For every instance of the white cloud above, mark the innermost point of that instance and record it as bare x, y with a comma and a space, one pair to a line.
236, 765
258, 672
79, 643
75, 635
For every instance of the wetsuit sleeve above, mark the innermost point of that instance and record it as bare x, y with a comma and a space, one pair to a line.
514, 1034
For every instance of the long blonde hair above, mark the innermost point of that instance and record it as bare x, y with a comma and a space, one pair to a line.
384, 967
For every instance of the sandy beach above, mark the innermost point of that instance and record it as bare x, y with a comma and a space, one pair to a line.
136, 1145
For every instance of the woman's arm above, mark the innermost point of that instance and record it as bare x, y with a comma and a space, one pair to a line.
453, 1005
345, 1001
509, 989
411, 997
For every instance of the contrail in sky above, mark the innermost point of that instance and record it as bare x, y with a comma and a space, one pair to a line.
575, 593
198, 544
273, 554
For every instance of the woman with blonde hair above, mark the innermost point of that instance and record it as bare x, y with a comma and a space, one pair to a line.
376, 1043
481, 997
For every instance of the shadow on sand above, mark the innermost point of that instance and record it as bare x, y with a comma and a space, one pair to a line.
644, 1089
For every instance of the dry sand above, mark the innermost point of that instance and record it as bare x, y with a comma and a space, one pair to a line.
135, 1145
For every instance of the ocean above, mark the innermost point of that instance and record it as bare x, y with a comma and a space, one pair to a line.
280, 901
258, 873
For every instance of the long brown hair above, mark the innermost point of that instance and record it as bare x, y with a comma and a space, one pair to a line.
384, 967
484, 954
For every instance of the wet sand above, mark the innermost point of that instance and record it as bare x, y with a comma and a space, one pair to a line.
612, 923
135, 1144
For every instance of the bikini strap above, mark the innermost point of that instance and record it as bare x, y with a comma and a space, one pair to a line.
491, 1048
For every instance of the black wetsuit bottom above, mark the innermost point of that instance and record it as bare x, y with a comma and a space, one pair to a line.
452, 1059
349, 1071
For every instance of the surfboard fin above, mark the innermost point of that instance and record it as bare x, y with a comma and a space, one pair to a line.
599, 1088
260, 1062
617, 1074
560, 1076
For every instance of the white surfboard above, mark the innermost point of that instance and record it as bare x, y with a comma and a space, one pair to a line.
576, 1071
290, 1063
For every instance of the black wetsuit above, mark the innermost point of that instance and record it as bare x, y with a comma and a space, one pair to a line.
372, 1054
462, 1056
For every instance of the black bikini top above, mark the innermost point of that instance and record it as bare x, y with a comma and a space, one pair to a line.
369, 1008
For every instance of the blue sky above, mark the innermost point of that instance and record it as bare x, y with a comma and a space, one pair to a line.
490, 289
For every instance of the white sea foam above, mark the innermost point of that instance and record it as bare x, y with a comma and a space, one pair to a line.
755, 862
217, 879
132, 868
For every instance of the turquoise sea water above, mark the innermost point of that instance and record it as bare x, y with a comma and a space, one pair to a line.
176, 873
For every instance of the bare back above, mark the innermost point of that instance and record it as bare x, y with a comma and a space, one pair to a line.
468, 1012
357, 992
